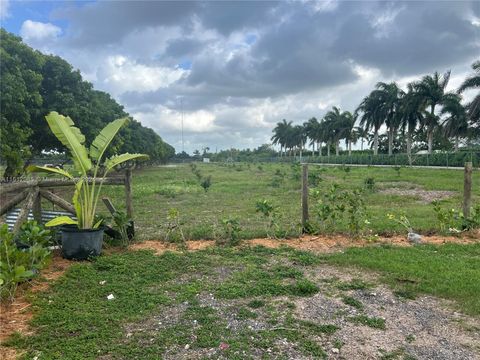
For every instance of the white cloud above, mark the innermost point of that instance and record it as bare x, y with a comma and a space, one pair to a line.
4, 9
119, 74
38, 31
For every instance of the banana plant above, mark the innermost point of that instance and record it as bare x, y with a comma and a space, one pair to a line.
89, 164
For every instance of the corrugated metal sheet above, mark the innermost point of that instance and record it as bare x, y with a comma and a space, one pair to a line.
12, 216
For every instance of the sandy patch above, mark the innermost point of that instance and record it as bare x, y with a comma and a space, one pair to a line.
321, 244
424, 196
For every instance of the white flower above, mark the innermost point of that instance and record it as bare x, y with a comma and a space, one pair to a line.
110, 297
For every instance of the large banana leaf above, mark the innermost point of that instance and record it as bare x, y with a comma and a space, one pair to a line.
70, 136
35, 168
101, 142
118, 159
61, 220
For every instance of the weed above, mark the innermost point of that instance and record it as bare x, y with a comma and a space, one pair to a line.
355, 284
255, 304
352, 302
373, 322
244, 313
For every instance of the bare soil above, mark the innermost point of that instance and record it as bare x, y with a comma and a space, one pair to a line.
423, 196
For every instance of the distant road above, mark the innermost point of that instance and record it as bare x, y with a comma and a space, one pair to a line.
407, 166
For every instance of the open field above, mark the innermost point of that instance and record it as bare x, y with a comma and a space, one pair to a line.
259, 303
235, 190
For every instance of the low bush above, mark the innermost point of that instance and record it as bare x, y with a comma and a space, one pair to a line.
18, 265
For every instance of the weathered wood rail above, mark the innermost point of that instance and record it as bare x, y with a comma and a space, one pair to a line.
32, 191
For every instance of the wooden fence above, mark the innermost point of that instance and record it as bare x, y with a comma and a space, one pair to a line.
32, 191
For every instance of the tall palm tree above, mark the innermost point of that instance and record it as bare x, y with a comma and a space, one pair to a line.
455, 124
371, 115
432, 90
348, 130
471, 83
311, 129
280, 134
361, 134
411, 114
390, 95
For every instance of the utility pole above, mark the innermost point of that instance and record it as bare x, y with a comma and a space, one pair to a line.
181, 107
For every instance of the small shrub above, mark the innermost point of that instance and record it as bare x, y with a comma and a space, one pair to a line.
174, 231
206, 182
18, 265
270, 213
231, 229
32, 233
124, 226
397, 170
447, 218
369, 183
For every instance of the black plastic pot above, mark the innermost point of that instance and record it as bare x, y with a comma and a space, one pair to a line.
81, 244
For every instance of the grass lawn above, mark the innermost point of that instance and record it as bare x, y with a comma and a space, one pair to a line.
450, 271
215, 299
235, 190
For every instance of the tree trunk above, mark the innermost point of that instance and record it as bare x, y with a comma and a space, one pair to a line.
337, 145
361, 145
319, 148
430, 140
349, 148
456, 143
375, 143
390, 141
328, 148
409, 147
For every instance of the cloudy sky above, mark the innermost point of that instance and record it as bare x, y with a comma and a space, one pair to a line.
237, 68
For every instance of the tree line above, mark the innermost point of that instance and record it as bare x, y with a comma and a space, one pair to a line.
424, 113
33, 84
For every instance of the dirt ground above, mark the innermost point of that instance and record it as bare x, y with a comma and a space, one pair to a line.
323, 244
15, 317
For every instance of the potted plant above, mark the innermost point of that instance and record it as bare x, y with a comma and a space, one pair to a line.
83, 237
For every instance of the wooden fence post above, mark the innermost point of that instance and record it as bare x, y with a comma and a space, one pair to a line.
37, 207
467, 189
23, 214
128, 193
304, 197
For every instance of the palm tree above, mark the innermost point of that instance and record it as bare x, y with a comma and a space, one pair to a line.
411, 114
432, 90
280, 134
372, 116
361, 134
456, 124
311, 129
471, 83
390, 95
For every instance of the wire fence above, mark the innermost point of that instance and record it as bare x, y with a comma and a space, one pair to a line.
457, 159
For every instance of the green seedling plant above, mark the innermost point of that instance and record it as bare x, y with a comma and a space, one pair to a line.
231, 229
174, 226
270, 213
89, 163
206, 183
369, 183
447, 218
402, 220
122, 223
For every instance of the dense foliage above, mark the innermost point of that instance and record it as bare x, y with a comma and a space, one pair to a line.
33, 84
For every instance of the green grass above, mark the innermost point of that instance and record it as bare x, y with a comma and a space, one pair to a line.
450, 271
235, 189
74, 319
